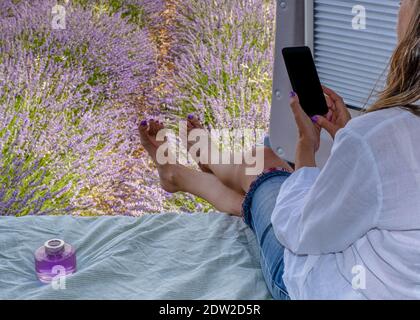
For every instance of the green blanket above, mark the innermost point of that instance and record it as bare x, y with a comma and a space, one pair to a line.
166, 256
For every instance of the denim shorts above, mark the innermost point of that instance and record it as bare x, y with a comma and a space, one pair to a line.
257, 209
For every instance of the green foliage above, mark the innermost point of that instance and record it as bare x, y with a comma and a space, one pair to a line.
134, 13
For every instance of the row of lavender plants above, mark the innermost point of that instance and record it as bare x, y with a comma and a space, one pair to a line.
71, 99
223, 56
68, 108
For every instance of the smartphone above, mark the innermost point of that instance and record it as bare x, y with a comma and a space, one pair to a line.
304, 78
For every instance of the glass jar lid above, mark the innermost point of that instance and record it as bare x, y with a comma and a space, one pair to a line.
54, 246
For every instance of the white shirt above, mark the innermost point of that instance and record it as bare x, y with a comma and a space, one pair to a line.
352, 229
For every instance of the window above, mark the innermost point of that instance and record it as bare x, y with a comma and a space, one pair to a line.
353, 61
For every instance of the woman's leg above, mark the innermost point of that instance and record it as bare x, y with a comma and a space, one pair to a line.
234, 175
174, 177
208, 187
258, 217
263, 195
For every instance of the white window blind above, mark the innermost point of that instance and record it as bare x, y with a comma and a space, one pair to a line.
352, 61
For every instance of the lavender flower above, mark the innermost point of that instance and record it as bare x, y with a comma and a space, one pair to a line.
68, 116
224, 56
143, 13
70, 100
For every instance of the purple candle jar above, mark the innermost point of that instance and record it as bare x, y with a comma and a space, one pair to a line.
54, 258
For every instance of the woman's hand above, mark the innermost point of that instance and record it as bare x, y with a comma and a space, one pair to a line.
309, 131
309, 135
337, 117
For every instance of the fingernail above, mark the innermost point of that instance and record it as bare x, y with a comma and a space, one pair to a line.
143, 123
292, 94
190, 116
314, 119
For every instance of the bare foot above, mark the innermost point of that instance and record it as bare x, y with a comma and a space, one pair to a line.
167, 172
194, 123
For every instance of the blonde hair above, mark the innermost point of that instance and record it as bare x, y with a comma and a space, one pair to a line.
403, 82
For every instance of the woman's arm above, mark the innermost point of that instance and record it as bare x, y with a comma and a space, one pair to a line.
309, 129
325, 212
305, 155
309, 135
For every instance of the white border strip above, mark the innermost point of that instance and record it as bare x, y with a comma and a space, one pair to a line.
309, 24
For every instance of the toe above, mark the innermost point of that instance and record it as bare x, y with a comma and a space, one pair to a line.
145, 139
160, 126
189, 126
143, 128
154, 127
194, 121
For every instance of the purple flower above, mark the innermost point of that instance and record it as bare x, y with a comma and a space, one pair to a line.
68, 135
71, 100
224, 58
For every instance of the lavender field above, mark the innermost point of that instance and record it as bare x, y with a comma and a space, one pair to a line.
71, 98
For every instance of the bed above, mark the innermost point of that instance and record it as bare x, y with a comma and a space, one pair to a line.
164, 256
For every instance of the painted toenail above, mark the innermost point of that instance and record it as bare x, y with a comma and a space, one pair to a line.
143, 123
190, 116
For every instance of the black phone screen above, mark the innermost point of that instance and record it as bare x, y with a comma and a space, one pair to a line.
304, 78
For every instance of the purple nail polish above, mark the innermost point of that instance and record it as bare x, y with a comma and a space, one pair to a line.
190, 117
314, 119
292, 94
143, 123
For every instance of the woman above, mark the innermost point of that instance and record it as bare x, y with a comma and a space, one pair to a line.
352, 230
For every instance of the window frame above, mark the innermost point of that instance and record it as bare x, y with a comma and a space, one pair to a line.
310, 37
